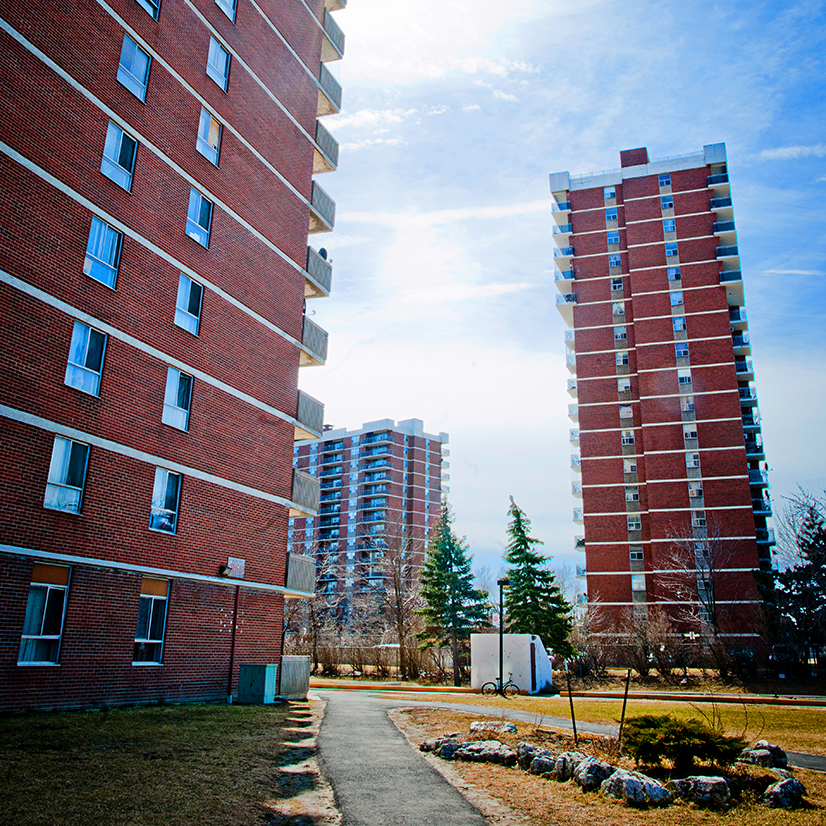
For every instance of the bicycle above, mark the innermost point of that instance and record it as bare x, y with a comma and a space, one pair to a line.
508, 690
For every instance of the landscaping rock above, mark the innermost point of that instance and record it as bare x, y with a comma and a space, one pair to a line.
544, 765
757, 757
779, 759
566, 764
447, 749
500, 727
526, 752
782, 774
434, 743
636, 789
486, 751
785, 794
591, 773
710, 792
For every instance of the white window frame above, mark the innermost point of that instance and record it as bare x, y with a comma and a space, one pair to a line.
692, 460
664, 180
626, 411
624, 385
689, 431
634, 523
115, 165
636, 555
632, 494
152, 611
684, 375
695, 491
698, 519
164, 511
615, 260
674, 274
184, 304
217, 56
177, 399
620, 334
676, 298
629, 465
103, 250
618, 308
129, 68
622, 358
210, 130
612, 236
681, 350
64, 492
611, 214
35, 624
609, 192
627, 437
687, 404
194, 217
667, 202
638, 583
671, 249
228, 7
669, 225
678, 323
152, 7
79, 373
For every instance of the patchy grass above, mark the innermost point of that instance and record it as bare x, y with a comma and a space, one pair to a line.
792, 728
214, 765
548, 803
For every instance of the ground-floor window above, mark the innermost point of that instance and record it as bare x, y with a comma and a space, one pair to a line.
45, 611
151, 621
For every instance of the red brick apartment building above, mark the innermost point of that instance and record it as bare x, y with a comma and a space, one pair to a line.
673, 478
381, 488
156, 193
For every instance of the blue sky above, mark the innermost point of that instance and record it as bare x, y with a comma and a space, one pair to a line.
443, 299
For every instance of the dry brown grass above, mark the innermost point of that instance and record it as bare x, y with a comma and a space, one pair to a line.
548, 803
211, 765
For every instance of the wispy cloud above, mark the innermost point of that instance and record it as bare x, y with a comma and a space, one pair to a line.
453, 293
471, 107
794, 272
367, 142
785, 153
446, 216
497, 93
372, 117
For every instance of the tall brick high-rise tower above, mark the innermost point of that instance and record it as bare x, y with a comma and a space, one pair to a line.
156, 195
673, 477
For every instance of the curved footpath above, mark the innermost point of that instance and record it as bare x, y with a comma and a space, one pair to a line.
380, 780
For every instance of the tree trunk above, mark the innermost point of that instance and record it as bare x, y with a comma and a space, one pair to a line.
454, 644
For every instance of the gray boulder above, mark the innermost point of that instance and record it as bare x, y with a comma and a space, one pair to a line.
448, 748
591, 773
438, 744
500, 727
486, 751
779, 759
710, 792
636, 789
785, 794
543, 765
757, 757
526, 752
566, 764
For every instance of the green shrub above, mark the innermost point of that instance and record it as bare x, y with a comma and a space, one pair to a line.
650, 739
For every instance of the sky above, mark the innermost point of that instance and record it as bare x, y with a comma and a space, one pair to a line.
443, 302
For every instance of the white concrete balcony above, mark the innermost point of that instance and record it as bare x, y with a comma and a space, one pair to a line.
329, 93
325, 150
306, 493
313, 344
322, 211
318, 274
332, 43
309, 417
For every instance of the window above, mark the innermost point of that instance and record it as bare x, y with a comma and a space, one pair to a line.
695, 491
667, 202
628, 438
622, 358
151, 621
67, 475
45, 610
678, 323
615, 261
611, 215
209, 136
609, 192
692, 460
85, 359
676, 298
102, 253
618, 308
636, 554
188, 304
629, 465
684, 376
613, 237
166, 494
690, 431
698, 519
623, 385
632, 494
665, 180
687, 404
626, 412
669, 225
133, 68
620, 334
198, 218
681, 349
671, 250
118, 156
634, 523
638, 582
218, 63
177, 399
228, 8
153, 7
674, 274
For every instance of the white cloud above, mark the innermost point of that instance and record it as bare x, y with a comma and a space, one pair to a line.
397, 141
371, 117
792, 152
471, 107
793, 272
446, 216
821, 179
498, 93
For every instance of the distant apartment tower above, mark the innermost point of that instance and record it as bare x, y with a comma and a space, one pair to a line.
380, 485
156, 195
666, 423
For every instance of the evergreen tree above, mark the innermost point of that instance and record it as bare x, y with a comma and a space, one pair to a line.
453, 607
534, 603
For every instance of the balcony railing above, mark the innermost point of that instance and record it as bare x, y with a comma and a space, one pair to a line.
309, 417
578, 515
321, 275
718, 179
563, 229
569, 298
765, 536
754, 448
377, 437
335, 36
573, 436
580, 572
573, 411
762, 506
328, 147
730, 275
579, 543
314, 340
737, 314
720, 203
329, 95
305, 495
758, 477
572, 386
333, 470
300, 573
724, 226
747, 394
563, 252
744, 366
323, 211
727, 252
562, 206
740, 339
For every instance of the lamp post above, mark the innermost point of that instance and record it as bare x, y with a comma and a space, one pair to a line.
501, 583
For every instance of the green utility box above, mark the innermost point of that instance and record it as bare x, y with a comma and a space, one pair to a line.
257, 682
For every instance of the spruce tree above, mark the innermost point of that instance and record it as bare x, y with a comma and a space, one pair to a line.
533, 602
453, 607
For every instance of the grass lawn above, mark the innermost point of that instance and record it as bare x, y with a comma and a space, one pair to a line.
211, 765
792, 728
543, 802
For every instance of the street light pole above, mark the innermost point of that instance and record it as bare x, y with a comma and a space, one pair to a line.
501, 583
